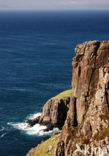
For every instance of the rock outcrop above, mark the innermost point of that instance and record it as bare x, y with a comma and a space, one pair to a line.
54, 111
87, 121
88, 117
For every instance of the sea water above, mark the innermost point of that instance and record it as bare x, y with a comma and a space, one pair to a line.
36, 51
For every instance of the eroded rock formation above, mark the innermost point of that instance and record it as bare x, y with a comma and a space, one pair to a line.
87, 121
54, 111
88, 117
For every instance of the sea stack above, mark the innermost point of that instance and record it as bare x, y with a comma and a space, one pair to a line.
87, 120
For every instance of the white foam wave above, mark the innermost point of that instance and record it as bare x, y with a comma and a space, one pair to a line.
2, 128
2, 136
35, 130
20, 126
33, 116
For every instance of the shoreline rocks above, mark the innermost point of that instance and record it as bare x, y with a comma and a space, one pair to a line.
54, 112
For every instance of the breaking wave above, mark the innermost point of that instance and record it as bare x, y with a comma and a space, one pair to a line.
37, 129
33, 116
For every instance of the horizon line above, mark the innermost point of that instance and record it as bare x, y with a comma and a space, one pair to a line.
56, 10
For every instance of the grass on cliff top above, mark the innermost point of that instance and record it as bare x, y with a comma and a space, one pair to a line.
104, 41
43, 148
63, 95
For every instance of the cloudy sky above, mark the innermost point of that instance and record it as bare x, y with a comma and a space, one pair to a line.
54, 4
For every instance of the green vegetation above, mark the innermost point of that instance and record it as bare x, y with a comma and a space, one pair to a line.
47, 148
104, 41
63, 95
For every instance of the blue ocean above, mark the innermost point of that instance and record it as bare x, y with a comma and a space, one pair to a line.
36, 51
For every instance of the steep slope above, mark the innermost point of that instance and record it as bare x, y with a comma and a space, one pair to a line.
54, 111
86, 128
46, 148
88, 117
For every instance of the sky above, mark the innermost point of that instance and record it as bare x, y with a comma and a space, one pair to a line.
54, 4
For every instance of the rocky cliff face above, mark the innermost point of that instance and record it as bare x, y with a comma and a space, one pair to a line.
54, 111
88, 117
87, 121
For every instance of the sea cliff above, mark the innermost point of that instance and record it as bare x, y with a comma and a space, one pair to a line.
54, 112
86, 123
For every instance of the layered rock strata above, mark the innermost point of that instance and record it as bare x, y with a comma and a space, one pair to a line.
88, 117
87, 121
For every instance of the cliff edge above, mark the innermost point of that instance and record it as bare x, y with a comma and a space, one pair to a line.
54, 111
86, 127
